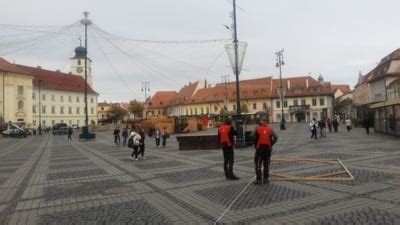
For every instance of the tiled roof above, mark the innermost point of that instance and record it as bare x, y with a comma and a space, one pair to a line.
162, 99
5, 66
298, 87
345, 88
53, 80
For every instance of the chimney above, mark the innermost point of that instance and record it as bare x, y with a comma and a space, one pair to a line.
288, 84
58, 71
306, 83
39, 67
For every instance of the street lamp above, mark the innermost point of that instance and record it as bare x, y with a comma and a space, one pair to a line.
281, 92
145, 89
40, 109
236, 52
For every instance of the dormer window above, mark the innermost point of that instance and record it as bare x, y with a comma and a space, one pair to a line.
298, 90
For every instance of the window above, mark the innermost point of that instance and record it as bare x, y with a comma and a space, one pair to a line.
278, 117
314, 102
285, 104
295, 102
61, 98
201, 110
315, 115
53, 98
53, 122
215, 108
77, 122
20, 90
61, 121
70, 110
102, 108
70, 122
91, 110
187, 112
20, 105
69, 99
91, 100
297, 90
62, 110
79, 62
303, 102
77, 99
33, 95
53, 110
34, 109
208, 110
34, 123
234, 107
278, 104
43, 109
264, 105
77, 110
191, 111
321, 102
195, 111
254, 105
43, 97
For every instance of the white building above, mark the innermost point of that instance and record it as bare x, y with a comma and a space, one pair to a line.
49, 96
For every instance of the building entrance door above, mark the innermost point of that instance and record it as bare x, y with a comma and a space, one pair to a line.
300, 117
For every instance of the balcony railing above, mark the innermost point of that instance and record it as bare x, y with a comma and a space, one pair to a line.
297, 108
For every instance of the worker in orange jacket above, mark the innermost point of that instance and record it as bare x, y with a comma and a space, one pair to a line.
265, 137
226, 135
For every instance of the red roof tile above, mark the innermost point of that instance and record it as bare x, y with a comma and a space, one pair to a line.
162, 99
5, 66
345, 88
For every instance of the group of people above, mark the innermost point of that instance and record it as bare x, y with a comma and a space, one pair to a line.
264, 139
136, 140
323, 123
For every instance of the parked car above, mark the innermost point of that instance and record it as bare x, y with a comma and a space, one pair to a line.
60, 128
13, 130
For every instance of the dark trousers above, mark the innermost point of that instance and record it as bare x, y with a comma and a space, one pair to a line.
124, 139
117, 139
164, 141
135, 151
367, 130
348, 128
314, 134
158, 142
141, 149
335, 129
228, 161
262, 158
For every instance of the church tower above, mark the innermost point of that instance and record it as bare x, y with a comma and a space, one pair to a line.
77, 64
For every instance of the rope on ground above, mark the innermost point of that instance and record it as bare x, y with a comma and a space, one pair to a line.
233, 201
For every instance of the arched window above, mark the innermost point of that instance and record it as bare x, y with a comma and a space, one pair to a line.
79, 62
20, 105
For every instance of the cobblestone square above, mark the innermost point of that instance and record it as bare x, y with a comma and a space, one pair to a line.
46, 180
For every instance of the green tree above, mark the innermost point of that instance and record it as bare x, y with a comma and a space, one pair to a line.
117, 113
136, 108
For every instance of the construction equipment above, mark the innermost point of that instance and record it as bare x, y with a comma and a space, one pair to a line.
14, 130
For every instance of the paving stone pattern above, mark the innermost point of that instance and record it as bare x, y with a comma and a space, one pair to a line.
46, 180
134, 212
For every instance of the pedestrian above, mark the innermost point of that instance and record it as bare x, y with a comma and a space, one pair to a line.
157, 136
264, 139
348, 124
225, 137
141, 145
366, 125
164, 136
69, 134
329, 123
321, 126
117, 139
313, 129
134, 142
124, 136
335, 125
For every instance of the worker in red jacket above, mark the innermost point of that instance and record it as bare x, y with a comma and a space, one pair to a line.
265, 137
225, 137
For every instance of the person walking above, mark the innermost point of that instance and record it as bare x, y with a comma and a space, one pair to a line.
141, 144
264, 139
164, 136
117, 139
69, 134
134, 141
348, 124
329, 123
313, 129
335, 125
157, 136
225, 137
321, 126
366, 125
124, 136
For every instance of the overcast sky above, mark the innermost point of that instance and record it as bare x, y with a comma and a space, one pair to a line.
334, 38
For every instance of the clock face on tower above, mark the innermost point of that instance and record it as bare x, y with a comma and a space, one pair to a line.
79, 69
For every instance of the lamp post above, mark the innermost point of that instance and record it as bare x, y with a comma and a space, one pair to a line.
85, 130
145, 89
280, 63
40, 108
